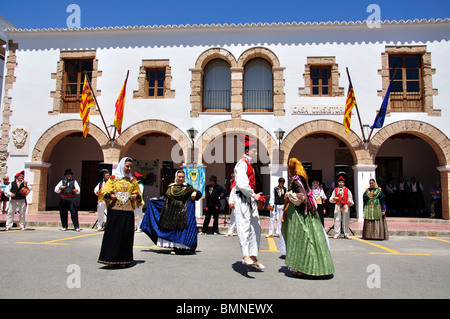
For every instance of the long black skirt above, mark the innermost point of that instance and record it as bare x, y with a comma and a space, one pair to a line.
118, 239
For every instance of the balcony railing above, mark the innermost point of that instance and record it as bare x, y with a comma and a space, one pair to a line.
258, 100
216, 100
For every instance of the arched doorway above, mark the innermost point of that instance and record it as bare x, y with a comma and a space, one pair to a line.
48, 164
434, 156
82, 156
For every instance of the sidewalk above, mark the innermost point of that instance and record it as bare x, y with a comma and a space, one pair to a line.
397, 226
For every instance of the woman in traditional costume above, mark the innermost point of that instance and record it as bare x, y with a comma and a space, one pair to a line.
170, 222
375, 225
307, 251
122, 195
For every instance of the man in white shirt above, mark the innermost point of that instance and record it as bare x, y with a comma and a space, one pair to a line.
246, 207
68, 188
17, 191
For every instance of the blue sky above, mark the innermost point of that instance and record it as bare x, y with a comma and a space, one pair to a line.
95, 13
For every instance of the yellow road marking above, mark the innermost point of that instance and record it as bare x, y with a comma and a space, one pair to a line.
55, 242
272, 246
446, 241
389, 250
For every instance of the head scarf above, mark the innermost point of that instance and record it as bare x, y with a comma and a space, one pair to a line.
119, 171
295, 167
176, 174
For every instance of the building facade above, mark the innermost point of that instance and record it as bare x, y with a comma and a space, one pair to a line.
224, 81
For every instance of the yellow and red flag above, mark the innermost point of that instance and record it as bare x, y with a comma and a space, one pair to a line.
120, 106
87, 100
349, 104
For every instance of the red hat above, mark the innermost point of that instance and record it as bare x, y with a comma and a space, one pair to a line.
137, 175
247, 141
22, 172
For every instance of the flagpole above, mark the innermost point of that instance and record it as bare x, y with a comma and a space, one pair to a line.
96, 103
357, 111
381, 107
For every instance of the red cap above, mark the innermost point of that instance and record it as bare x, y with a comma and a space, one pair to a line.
137, 175
22, 172
247, 140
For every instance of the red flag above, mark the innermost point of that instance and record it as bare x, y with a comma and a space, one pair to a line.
120, 106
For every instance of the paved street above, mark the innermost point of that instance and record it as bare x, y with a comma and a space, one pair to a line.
47, 263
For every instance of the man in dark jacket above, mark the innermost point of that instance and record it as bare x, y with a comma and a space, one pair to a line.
214, 193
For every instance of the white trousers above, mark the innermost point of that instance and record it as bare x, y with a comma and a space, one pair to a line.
344, 215
232, 225
14, 205
101, 213
247, 225
275, 215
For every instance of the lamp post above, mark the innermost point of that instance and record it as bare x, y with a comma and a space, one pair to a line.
192, 132
279, 133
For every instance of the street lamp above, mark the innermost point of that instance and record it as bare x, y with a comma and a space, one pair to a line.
279, 133
192, 132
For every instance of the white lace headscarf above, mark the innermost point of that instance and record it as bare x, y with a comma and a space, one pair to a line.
119, 171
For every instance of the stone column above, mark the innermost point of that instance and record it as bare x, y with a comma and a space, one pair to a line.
39, 187
362, 175
445, 182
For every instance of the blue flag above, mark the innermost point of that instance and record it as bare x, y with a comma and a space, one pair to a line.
379, 120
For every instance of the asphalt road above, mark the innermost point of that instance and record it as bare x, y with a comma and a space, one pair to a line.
47, 263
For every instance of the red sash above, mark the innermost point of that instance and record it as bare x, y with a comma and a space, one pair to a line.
250, 174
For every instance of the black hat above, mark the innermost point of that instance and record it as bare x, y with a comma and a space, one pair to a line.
341, 176
68, 171
213, 177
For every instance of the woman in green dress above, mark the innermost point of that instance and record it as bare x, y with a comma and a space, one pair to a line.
307, 251
375, 225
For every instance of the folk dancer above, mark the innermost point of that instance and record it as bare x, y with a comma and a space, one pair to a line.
101, 205
276, 206
122, 195
307, 249
375, 225
170, 222
68, 188
246, 206
17, 191
343, 199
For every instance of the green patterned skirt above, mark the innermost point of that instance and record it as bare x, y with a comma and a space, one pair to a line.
306, 243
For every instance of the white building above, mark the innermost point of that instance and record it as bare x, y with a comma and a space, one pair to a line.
224, 80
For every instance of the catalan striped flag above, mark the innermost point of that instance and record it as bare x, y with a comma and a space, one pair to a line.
120, 106
87, 100
349, 104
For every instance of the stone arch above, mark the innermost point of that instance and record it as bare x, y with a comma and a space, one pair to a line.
196, 97
131, 134
41, 154
54, 134
215, 53
226, 127
258, 52
336, 129
438, 141
279, 97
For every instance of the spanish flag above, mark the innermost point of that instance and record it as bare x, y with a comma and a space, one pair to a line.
87, 100
349, 104
120, 106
